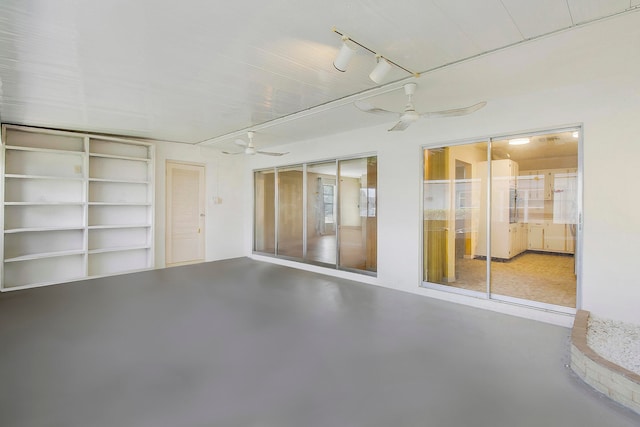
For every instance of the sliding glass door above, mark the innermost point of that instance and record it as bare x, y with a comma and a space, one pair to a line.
264, 220
452, 220
501, 218
322, 213
534, 206
290, 212
357, 214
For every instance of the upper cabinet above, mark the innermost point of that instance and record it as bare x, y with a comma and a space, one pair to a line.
548, 195
74, 206
547, 203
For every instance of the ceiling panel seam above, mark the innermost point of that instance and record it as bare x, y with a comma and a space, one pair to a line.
513, 20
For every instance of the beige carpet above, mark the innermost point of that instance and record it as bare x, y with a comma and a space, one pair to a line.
547, 278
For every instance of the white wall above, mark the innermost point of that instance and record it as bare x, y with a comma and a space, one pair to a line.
585, 76
224, 179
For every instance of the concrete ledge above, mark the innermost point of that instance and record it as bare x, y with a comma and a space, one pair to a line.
616, 382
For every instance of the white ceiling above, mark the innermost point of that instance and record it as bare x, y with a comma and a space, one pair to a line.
201, 71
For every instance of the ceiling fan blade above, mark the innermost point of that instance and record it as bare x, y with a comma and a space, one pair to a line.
233, 154
269, 153
455, 111
369, 108
401, 125
240, 142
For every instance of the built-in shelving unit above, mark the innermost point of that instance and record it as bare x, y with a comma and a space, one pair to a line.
74, 206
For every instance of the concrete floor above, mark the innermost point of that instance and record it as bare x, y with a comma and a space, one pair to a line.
242, 343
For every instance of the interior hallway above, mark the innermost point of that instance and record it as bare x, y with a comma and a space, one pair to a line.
242, 343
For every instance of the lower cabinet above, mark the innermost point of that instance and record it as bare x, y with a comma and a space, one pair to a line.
519, 238
536, 236
549, 237
554, 237
507, 241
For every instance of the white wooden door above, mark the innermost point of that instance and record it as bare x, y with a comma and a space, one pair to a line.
185, 232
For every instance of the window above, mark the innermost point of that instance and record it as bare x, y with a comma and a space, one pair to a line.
328, 192
320, 213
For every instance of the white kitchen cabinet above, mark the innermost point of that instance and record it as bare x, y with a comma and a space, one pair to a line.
68, 199
514, 240
523, 237
548, 184
554, 237
570, 230
547, 202
551, 237
536, 236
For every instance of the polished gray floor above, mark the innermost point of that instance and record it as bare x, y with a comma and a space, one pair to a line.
247, 344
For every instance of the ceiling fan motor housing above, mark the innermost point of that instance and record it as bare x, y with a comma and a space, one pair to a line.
410, 88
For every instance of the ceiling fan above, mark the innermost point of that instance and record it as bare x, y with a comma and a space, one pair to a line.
410, 115
250, 148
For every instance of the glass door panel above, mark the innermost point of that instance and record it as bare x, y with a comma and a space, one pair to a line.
264, 239
357, 213
321, 213
454, 223
533, 218
290, 212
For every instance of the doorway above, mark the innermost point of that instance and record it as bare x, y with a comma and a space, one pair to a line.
185, 224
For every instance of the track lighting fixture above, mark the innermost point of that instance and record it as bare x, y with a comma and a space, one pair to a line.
380, 71
344, 55
383, 64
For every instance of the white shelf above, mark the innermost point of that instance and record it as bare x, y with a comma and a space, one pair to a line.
43, 150
118, 249
121, 181
62, 178
51, 196
37, 229
41, 284
106, 227
119, 204
44, 203
113, 156
45, 255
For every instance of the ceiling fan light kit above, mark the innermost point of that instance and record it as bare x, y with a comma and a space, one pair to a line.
383, 64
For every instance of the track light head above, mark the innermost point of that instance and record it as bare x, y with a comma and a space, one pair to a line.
345, 54
381, 69
347, 51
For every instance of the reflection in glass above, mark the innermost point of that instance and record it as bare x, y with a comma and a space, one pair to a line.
321, 213
454, 225
357, 210
264, 239
290, 212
